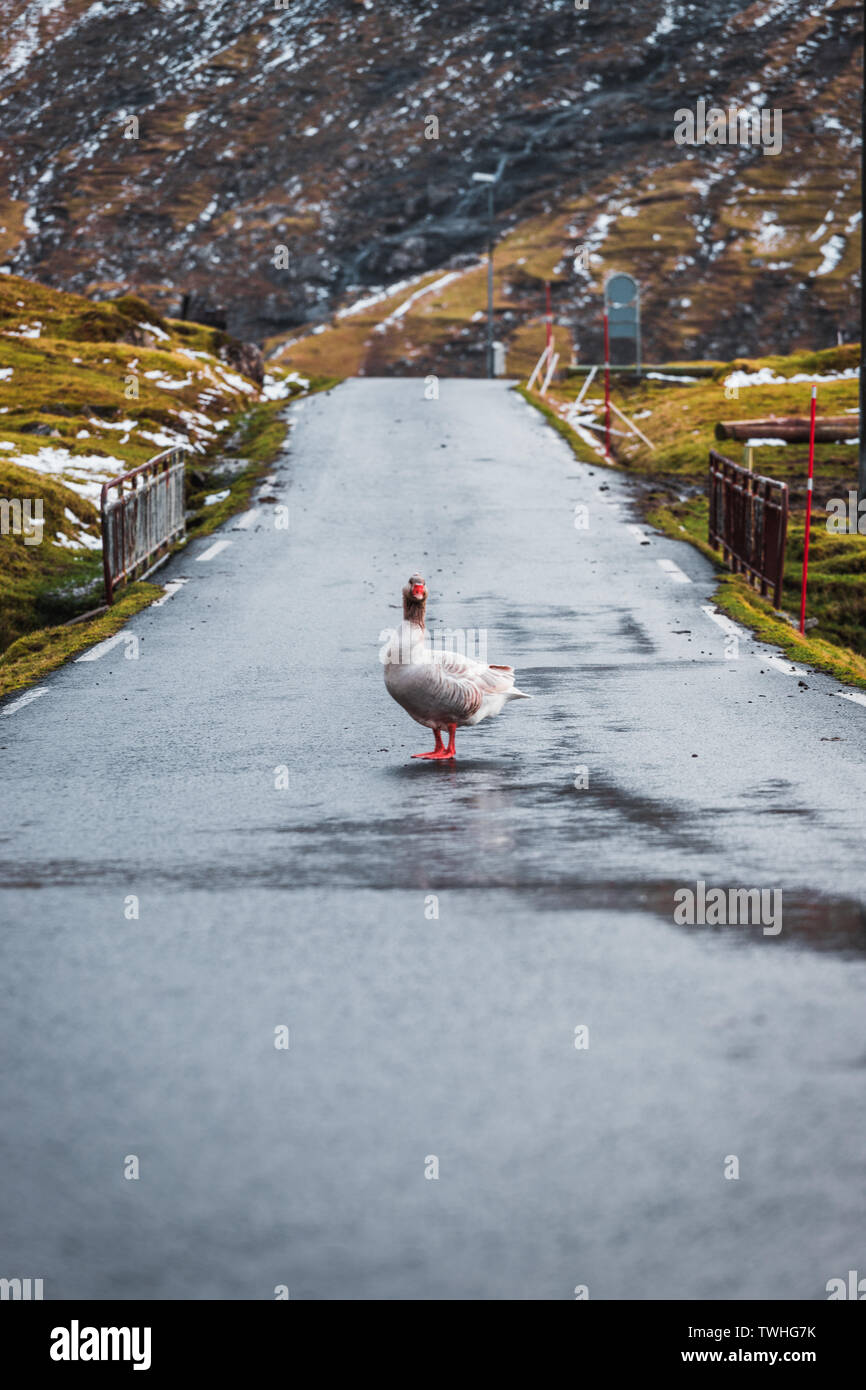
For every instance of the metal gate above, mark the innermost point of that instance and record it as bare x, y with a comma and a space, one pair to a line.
749, 520
142, 517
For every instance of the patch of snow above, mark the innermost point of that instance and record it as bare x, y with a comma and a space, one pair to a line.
279, 389
164, 440
403, 308
83, 474
832, 252
166, 382
765, 376
156, 331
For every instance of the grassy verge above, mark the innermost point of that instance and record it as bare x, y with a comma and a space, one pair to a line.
260, 435
88, 391
835, 596
681, 420
31, 658
579, 447
740, 602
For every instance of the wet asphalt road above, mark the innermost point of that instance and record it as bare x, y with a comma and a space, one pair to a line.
307, 905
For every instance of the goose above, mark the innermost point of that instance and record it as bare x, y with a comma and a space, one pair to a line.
441, 690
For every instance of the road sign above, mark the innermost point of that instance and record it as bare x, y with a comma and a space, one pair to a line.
622, 301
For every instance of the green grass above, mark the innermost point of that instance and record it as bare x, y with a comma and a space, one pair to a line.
682, 417
682, 428
579, 448
835, 594
31, 658
72, 380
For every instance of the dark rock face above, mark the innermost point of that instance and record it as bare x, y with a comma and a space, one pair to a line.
245, 358
263, 160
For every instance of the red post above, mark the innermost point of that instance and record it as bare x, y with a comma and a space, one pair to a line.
549, 318
808, 510
606, 388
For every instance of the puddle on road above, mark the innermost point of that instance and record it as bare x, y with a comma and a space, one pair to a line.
813, 921
809, 921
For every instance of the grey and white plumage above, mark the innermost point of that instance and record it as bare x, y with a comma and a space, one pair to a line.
441, 689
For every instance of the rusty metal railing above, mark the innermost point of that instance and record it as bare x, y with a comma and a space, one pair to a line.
142, 516
749, 520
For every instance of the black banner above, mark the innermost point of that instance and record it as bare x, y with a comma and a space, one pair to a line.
66, 1339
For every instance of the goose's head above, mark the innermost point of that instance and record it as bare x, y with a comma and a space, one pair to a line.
414, 599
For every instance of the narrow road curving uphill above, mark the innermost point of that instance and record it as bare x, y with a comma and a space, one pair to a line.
217, 832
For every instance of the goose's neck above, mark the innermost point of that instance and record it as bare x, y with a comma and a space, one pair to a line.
413, 611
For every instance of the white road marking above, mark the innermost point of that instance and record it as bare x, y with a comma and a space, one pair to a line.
99, 651
244, 522
726, 624
168, 590
25, 699
673, 571
787, 667
215, 549
637, 533
856, 695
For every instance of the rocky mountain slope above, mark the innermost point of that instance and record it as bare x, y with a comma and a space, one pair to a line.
173, 148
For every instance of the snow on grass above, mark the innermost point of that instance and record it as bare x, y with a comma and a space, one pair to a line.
163, 440
831, 252
822, 227
168, 383
83, 539
156, 331
280, 388
25, 330
83, 474
403, 308
370, 301
765, 376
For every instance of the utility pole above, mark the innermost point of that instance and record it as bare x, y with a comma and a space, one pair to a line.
491, 180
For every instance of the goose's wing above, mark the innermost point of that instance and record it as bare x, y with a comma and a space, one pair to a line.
461, 683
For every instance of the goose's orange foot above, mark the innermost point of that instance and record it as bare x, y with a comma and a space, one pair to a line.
437, 747
441, 753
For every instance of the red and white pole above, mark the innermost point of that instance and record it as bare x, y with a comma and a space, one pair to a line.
606, 388
809, 487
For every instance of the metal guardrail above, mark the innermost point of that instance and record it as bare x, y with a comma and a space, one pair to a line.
749, 520
142, 519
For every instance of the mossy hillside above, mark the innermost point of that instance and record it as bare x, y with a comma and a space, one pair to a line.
680, 419
68, 421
